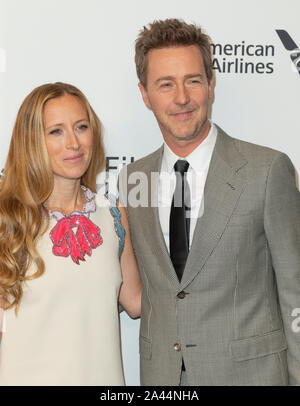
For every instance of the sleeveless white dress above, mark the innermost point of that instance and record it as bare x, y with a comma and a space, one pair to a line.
67, 329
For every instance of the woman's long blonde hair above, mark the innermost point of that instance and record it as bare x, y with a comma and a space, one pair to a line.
27, 183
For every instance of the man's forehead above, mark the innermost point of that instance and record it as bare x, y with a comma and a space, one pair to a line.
171, 61
173, 49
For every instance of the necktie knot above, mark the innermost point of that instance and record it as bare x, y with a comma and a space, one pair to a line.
181, 166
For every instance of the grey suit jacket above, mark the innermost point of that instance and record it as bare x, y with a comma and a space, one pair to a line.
242, 276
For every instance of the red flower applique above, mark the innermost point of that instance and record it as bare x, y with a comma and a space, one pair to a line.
75, 235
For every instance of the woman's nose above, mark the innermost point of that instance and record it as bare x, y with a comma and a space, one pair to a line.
72, 140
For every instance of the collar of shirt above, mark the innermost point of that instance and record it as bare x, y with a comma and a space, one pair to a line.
198, 159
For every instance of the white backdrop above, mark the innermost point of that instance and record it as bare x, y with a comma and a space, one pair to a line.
91, 45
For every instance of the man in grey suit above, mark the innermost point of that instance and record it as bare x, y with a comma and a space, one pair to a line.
220, 270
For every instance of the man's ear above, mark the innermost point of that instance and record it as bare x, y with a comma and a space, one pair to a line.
211, 85
144, 95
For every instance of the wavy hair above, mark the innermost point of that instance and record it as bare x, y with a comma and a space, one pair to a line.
171, 32
27, 183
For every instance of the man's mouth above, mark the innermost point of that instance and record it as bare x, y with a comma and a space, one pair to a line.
182, 114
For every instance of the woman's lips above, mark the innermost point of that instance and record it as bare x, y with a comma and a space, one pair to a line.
74, 158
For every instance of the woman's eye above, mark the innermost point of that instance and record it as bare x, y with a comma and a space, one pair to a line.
82, 127
55, 132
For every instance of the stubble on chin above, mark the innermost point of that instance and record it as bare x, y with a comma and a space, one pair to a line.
198, 132
187, 137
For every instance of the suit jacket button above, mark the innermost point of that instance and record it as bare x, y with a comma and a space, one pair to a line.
177, 347
182, 294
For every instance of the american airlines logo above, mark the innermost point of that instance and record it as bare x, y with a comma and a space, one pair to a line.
249, 58
243, 58
292, 48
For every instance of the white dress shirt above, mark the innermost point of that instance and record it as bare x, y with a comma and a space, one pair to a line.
199, 161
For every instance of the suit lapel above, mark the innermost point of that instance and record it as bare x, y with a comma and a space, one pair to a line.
223, 188
157, 241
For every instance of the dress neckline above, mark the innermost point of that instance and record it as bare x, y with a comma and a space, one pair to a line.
88, 207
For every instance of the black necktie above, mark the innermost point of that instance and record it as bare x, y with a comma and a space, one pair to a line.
180, 219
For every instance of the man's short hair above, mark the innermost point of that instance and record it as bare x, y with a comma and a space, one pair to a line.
170, 33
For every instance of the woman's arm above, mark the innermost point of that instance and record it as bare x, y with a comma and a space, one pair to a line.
131, 288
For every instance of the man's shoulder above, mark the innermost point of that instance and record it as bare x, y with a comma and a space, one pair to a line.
255, 151
252, 152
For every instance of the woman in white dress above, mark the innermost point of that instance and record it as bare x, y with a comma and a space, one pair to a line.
66, 258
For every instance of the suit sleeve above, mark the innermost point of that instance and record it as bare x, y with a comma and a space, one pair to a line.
282, 226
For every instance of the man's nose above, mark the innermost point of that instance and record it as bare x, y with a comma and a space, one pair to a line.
182, 96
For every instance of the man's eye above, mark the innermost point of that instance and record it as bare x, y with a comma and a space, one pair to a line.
166, 84
194, 82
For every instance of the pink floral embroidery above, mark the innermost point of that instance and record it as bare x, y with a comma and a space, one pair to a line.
66, 242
